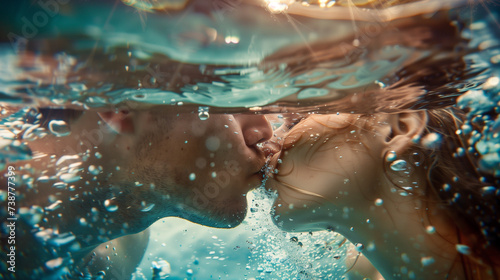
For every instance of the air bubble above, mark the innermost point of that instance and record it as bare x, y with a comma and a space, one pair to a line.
391, 156
59, 128
399, 165
83, 221
94, 170
426, 261
101, 274
432, 140
488, 190
495, 59
32, 133
268, 270
60, 185
62, 239
463, 249
54, 206
146, 207
416, 159
460, 152
111, 205
359, 247
54, 263
192, 176
430, 229
212, 143
43, 179
405, 258
69, 177
491, 83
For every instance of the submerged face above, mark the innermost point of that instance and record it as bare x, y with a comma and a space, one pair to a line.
203, 167
326, 171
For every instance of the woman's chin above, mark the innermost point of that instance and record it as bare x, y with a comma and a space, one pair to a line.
293, 219
296, 210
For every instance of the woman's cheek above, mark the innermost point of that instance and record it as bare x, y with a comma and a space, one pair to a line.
301, 201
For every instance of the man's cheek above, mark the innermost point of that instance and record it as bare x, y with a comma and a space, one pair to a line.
198, 128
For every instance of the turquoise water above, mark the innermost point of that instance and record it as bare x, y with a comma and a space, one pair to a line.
245, 56
257, 249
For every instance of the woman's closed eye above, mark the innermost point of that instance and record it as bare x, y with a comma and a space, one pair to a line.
290, 125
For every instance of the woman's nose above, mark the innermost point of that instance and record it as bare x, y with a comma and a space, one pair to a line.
255, 128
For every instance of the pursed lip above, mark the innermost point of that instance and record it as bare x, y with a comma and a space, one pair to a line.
259, 160
271, 148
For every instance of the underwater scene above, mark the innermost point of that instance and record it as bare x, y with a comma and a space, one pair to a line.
250, 139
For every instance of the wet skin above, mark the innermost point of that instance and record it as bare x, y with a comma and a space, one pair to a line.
333, 170
146, 164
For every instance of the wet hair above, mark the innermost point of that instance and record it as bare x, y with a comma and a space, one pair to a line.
454, 182
467, 194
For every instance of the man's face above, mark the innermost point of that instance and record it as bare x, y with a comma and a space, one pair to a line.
203, 168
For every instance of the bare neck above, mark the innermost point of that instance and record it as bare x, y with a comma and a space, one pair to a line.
405, 237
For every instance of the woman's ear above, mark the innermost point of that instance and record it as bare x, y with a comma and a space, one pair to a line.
403, 128
119, 121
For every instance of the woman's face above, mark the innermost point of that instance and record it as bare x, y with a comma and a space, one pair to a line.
327, 170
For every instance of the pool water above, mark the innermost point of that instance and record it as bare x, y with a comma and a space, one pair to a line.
257, 249
264, 57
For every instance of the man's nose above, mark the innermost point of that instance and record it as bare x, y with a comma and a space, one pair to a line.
255, 128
